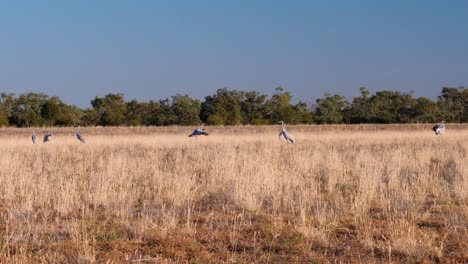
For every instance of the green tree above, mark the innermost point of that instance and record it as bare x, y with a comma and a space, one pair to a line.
6, 105
330, 109
26, 110
452, 104
186, 110
223, 108
465, 105
425, 110
50, 111
134, 113
252, 108
215, 119
90, 117
110, 109
151, 113
392, 107
303, 113
70, 115
167, 116
359, 110
280, 108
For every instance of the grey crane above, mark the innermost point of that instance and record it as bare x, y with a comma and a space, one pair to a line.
47, 137
79, 136
285, 133
199, 131
439, 129
33, 137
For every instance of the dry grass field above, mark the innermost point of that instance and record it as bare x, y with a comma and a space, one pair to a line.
342, 194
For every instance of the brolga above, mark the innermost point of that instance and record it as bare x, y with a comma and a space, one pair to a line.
199, 131
33, 137
285, 133
47, 137
439, 129
79, 136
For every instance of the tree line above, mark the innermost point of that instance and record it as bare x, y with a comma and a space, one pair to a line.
234, 107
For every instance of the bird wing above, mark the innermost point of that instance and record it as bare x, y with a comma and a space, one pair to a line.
196, 132
435, 128
288, 136
80, 137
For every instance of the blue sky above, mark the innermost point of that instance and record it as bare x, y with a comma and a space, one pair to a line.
154, 49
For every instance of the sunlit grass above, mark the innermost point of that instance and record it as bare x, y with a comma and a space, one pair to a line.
342, 193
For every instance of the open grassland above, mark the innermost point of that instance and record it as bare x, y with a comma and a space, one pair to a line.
341, 194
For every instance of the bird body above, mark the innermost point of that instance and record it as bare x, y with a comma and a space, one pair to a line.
33, 137
284, 133
79, 136
47, 137
199, 131
439, 129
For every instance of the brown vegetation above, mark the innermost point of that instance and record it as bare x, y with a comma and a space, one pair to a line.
341, 194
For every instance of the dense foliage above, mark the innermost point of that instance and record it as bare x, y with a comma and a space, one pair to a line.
234, 107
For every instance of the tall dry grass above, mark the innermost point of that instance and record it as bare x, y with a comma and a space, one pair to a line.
356, 194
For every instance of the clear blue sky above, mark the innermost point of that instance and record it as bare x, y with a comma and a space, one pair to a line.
154, 49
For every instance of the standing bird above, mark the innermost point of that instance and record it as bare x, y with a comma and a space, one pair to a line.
285, 133
439, 129
47, 137
79, 136
33, 137
199, 131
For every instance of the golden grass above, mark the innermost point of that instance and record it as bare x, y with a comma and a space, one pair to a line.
342, 193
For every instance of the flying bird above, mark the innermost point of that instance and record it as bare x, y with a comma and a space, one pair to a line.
33, 137
47, 137
199, 131
439, 129
79, 136
285, 133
